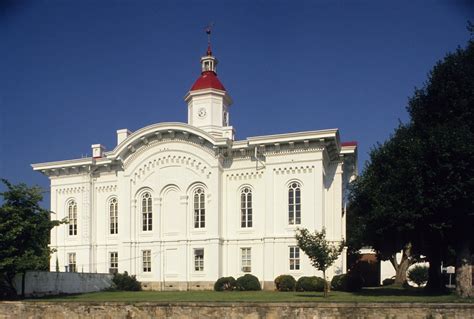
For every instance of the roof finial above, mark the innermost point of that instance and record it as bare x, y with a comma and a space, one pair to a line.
208, 32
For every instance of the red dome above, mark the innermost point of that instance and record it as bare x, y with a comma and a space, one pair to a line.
207, 80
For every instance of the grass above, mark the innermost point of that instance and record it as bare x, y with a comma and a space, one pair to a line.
380, 294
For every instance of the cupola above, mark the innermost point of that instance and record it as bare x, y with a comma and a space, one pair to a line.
208, 101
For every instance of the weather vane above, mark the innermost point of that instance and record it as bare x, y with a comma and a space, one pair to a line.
208, 32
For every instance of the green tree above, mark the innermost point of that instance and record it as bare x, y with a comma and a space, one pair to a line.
383, 208
443, 119
24, 232
418, 189
320, 251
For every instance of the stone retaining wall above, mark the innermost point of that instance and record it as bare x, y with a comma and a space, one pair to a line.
221, 310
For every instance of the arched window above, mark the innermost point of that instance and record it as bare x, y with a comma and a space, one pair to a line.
199, 209
113, 216
72, 216
246, 207
294, 204
147, 214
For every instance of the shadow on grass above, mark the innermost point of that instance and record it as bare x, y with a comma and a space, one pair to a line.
398, 291
393, 291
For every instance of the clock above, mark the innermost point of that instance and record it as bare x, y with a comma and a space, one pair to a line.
202, 112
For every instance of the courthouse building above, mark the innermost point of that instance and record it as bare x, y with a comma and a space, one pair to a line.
181, 204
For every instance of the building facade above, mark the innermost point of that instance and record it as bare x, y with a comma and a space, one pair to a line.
181, 204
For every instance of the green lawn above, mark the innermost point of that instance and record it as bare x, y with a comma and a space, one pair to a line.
382, 294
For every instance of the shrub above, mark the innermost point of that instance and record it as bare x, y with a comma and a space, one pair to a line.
310, 284
248, 282
388, 281
418, 274
339, 282
350, 282
126, 282
285, 283
225, 284
354, 282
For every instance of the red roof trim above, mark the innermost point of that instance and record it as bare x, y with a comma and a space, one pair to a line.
350, 143
207, 80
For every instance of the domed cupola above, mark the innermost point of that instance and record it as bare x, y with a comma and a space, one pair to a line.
208, 78
208, 101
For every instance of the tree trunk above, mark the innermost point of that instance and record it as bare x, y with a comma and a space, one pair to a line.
435, 284
463, 270
402, 267
325, 284
23, 279
401, 272
11, 291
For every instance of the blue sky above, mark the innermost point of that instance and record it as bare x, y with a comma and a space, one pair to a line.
73, 72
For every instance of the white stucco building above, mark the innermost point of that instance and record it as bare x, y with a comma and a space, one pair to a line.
182, 204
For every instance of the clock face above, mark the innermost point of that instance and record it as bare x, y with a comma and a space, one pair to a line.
202, 112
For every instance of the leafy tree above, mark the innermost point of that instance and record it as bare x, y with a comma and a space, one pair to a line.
24, 232
443, 118
383, 208
320, 251
418, 188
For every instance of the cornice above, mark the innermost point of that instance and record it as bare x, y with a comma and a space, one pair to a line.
106, 188
224, 149
74, 163
244, 175
294, 137
294, 169
70, 190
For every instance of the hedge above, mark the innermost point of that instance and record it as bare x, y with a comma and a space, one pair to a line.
248, 282
225, 284
310, 284
285, 283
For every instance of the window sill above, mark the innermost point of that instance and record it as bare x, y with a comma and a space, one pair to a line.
174, 233
246, 231
146, 234
198, 274
198, 231
296, 272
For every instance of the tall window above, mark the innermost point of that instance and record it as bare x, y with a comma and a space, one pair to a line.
199, 259
113, 269
146, 260
199, 209
246, 207
147, 213
294, 258
246, 259
71, 262
294, 204
72, 216
113, 213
